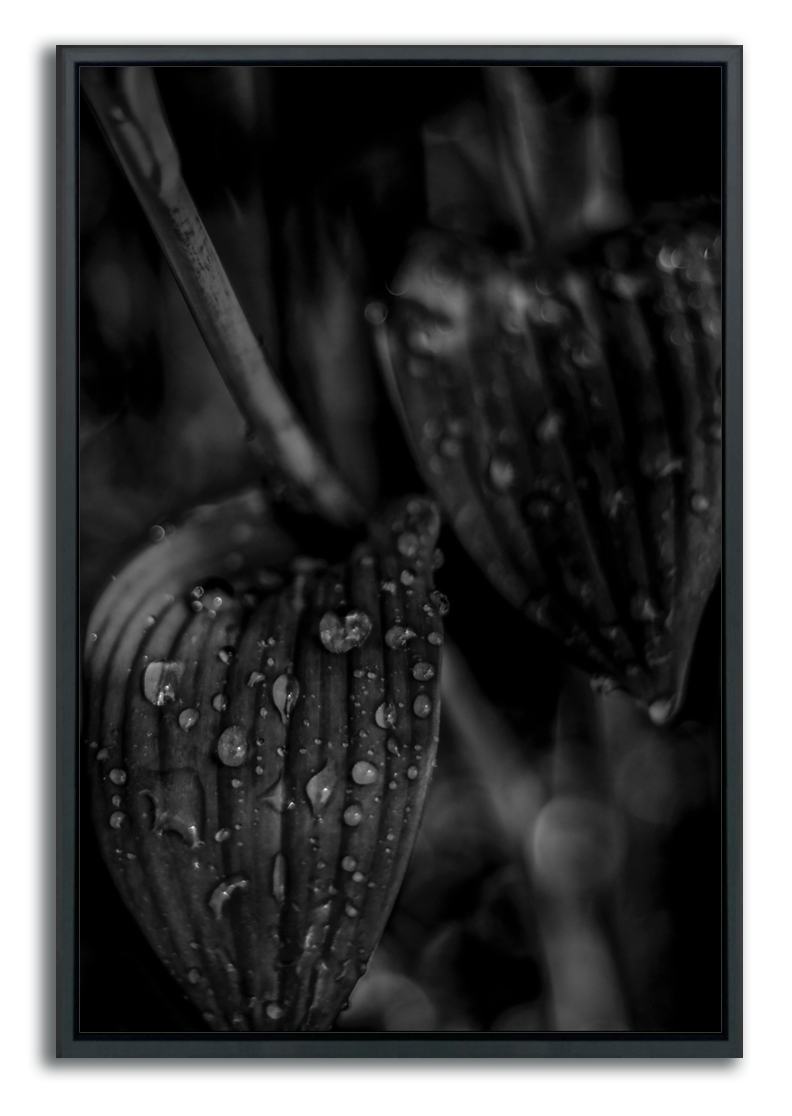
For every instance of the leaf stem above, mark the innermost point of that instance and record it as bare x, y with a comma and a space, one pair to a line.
127, 105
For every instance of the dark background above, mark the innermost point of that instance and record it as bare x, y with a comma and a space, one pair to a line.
351, 137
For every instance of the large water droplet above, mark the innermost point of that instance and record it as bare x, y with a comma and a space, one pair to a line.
422, 706
435, 639
222, 835
219, 702
364, 773
319, 789
412, 772
349, 864
341, 635
226, 654
279, 877
160, 681
385, 715
255, 677
117, 819
285, 692
117, 776
273, 1011
188, 718
423, 671
699, 503
398, 636
353, 815
223, 892
232, 746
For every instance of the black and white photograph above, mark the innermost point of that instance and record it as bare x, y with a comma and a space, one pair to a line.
400, 551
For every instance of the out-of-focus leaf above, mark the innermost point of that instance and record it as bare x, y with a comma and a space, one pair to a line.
569, 421
546, 173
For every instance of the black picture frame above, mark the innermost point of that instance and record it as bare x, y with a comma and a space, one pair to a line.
72, 1044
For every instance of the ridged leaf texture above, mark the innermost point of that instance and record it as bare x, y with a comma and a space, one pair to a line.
568, 419
260, 749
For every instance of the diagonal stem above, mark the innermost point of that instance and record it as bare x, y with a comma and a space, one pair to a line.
127, 105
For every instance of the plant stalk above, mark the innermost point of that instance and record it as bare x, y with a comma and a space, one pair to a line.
131, 116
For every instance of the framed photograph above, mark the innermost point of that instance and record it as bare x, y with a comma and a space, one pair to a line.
400, 561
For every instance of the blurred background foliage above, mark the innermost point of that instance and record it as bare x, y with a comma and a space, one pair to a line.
567, 874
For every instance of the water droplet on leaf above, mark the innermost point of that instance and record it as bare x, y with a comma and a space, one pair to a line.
232, 746
385, 715
501, 474
439, 601
422, 706
160, 680
223, 892
285, 692
279, 877
319, 789
408, 544
660, 711
364, 773
188, 718
398, 636
342, 635
548, 429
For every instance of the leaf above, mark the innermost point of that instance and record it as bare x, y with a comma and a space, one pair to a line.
256, 793
568, 421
